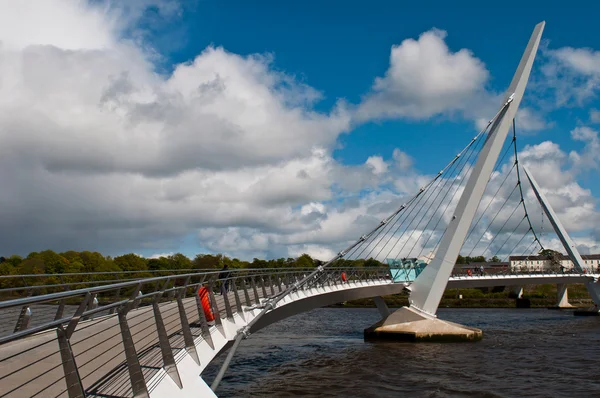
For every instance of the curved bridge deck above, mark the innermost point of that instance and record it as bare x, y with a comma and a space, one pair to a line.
158, 343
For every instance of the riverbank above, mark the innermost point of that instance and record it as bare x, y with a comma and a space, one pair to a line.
539, 296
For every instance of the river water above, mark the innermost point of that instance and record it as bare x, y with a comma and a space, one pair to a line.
524, 353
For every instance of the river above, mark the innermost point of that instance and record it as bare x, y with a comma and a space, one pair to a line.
524, 353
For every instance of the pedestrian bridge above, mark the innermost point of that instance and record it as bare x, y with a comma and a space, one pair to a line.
154, 337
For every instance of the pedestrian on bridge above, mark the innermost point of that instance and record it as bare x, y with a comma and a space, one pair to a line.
224, 277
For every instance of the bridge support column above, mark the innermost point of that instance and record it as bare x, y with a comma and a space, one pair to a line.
520, 301
518, 292
381, 306
408, 324
562, 296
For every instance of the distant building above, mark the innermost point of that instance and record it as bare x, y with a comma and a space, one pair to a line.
541, 263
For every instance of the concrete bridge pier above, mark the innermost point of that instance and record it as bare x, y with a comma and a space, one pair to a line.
381, 306
413, 325
520, 301
518, 292
562, 297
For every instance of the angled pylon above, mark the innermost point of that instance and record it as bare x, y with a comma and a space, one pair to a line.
428, 288
568, 244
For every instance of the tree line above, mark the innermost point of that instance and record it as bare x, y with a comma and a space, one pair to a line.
50, 262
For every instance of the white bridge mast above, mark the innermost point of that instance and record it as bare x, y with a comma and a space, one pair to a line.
428, 288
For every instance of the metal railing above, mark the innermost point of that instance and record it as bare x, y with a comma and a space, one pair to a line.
110, 339
504, 273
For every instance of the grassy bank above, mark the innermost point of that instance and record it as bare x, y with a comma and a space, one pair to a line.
540, 296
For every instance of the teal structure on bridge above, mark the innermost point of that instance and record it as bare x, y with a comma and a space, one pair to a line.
406, 269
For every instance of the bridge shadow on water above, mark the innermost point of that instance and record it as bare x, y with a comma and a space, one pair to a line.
524, 353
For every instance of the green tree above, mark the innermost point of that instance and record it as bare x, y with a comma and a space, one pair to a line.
206, 261
372, 263
95, 262
53, 263
258, 263
155, 264
554, 258
15, 260
179, 261
304, 261
131, 262
31, 265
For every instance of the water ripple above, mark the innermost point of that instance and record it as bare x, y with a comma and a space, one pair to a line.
524, 353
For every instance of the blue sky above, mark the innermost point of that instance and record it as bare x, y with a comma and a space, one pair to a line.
269, 128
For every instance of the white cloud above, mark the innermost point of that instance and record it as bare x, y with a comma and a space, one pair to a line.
377, 163
100, 152
425, 78
70, 25
529, 120
588, 158
159, 255
402, 159
594, 116
572, 75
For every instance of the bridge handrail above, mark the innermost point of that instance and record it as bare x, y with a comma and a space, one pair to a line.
259, 284
193, 270
105, 283
238, 274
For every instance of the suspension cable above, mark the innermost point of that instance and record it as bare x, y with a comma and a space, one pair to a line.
519, 182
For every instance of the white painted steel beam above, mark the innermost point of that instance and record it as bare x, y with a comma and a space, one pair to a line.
568, 244
428, 288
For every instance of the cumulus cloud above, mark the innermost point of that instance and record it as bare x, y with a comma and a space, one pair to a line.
572, 75
377, 163
101, 152
425, 78
529, 120
587, 159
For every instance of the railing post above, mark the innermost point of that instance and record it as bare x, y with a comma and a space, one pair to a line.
213, 304
202, 317
61, 304
227, 304
117, 295
60, 310
238, 303
92, 304
262, 286
138, 384
246, 294
253, 283
23, 320
188, 339
165, 346
271, 286
72, 379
